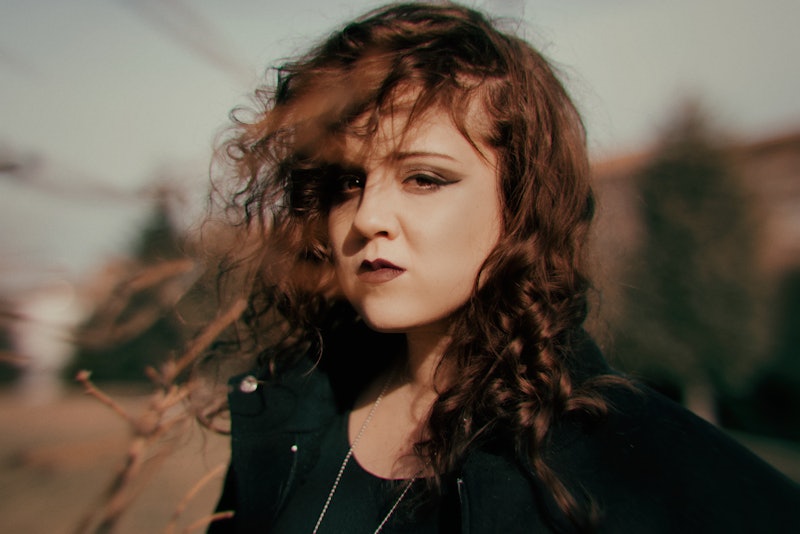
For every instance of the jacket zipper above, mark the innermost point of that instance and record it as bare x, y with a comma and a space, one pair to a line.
463, 502
295, 450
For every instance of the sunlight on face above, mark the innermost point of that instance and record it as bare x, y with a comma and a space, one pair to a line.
417, 213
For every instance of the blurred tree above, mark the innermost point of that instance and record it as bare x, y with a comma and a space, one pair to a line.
777, 394
10, 367
786, 344
137, 325
691, 319
159, 240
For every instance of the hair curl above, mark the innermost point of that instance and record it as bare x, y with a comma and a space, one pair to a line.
511, 341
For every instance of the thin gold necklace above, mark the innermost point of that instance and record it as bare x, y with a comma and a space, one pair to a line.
347, 459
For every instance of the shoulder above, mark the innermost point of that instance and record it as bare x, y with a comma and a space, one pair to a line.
274, 425
648, 465
652, 462
299, 399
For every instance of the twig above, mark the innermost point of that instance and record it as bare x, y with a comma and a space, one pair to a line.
118, 321
200, 523
152, 429
194, 490
133, 485
83, 377
14, 358
206, 337
153, 276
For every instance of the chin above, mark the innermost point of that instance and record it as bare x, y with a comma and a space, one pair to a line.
386, 327
395, 324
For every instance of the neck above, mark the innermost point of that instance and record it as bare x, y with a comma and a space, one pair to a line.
425, 351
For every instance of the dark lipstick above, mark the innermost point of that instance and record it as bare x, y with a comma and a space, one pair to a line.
378, 271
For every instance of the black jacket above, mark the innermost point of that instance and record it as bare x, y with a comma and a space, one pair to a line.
650, 466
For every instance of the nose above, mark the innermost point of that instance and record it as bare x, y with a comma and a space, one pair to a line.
375, 214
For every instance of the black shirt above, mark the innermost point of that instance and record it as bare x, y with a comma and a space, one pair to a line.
361, 501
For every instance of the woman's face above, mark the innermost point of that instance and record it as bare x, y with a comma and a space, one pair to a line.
418, 212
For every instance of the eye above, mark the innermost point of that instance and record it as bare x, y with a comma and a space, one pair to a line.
345, 185
350, 183
424, 182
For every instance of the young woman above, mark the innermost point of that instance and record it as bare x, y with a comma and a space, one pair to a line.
413, 202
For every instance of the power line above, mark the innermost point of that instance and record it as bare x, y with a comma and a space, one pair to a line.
186, 26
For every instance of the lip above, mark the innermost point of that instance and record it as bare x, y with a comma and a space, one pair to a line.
378, 271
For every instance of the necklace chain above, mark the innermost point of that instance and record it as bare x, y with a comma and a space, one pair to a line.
350, 455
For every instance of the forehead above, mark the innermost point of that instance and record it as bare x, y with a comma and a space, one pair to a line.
405, 127
399, 133
333, 130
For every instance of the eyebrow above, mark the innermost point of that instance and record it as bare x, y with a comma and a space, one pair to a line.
396, 156
420, 154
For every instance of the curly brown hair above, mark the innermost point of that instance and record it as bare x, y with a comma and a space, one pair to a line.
512, 340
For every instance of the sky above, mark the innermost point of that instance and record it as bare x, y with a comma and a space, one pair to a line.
101, 100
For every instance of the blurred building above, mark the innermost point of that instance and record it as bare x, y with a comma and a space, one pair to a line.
769, 170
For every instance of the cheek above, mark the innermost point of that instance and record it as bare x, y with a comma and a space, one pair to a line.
483, 240
482, 228
337, 230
